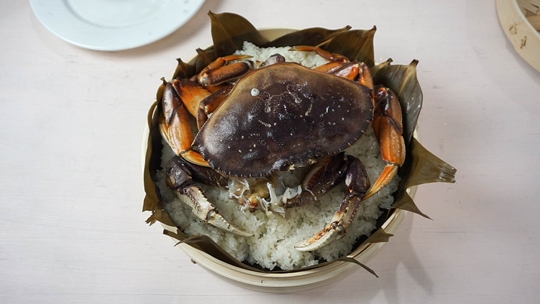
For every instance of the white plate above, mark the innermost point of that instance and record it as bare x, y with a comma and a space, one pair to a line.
113, 25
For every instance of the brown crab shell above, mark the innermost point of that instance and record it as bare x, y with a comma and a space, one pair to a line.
229, 31
312, 114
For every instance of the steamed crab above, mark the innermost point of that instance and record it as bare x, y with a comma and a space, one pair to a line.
255, 119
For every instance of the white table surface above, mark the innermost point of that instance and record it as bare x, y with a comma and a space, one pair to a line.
71, 124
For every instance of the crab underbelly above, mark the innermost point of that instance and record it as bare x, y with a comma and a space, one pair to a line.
283, 117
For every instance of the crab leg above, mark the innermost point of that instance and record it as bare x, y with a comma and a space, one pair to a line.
176, 128
191, 93
174, 124
323, 53
338, 65
357, 181
220, 71
388, 127
324, 175
179, 178
210, 104
364, 77
347, 70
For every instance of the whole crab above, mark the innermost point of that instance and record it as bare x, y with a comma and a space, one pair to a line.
256, 119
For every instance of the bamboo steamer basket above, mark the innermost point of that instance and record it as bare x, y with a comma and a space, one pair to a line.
520, 21
435, 170
290, 282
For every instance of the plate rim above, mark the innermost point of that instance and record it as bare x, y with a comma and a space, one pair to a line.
62, 21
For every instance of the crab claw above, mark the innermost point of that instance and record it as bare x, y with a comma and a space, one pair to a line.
175, 127
179, 178
358, 183
386, 176
219, 71
207, 212
388, 127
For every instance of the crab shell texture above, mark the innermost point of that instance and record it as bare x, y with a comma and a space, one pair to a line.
284, 116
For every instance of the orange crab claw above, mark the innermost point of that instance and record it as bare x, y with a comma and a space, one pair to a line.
388, 127
175, 126
191, 94
220, 71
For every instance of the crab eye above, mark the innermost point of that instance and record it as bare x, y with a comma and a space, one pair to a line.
255, 92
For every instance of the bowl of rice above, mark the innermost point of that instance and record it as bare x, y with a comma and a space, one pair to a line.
268, 260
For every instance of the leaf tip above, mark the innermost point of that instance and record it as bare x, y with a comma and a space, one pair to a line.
447, 174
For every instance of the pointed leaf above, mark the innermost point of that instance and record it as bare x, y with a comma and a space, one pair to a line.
405, 202
204, 58
310, 36
428, 168
375, 69
208, 246
151, 198
229, 31
354, 261
159, 215
356, 45
183, 70
379, 236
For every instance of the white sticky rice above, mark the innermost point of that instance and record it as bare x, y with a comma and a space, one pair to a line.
275, 233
